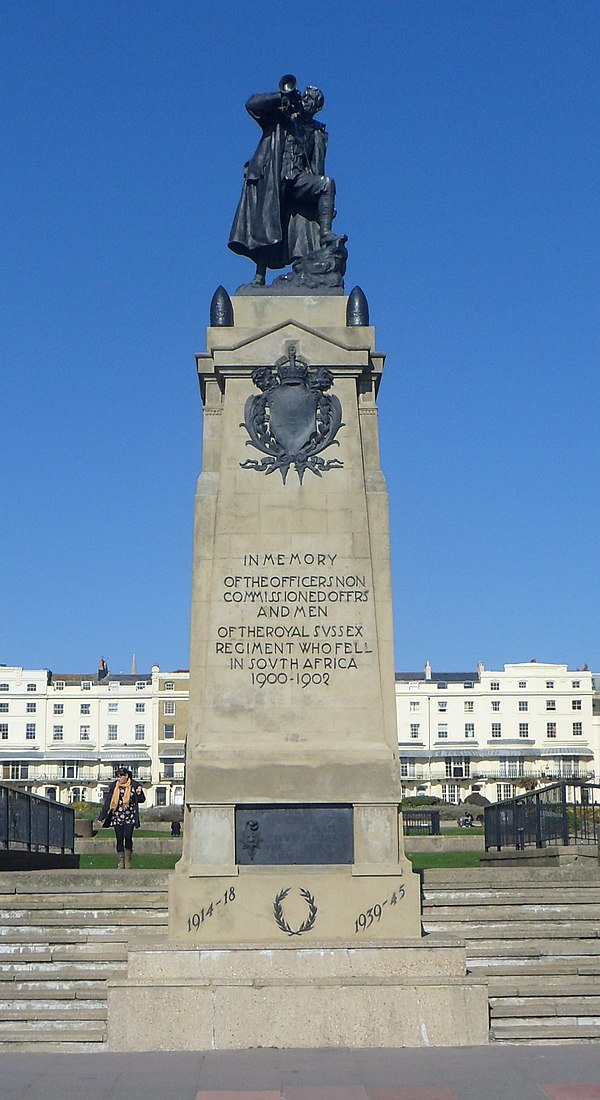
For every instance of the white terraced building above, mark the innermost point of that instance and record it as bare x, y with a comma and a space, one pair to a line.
63, 735
495, 733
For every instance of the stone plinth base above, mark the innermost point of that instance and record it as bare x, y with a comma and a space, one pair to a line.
235, 998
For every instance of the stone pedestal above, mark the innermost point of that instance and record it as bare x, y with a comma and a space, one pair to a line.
403, 994
294, 913
292, 777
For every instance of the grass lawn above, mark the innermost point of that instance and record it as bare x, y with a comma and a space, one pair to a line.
106, 861
422, 860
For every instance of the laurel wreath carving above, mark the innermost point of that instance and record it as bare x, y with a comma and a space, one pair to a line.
280, 918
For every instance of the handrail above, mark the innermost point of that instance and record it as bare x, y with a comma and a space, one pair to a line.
35, 823
563, 813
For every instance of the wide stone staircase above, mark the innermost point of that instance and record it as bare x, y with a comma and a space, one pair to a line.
535, 934
62, 935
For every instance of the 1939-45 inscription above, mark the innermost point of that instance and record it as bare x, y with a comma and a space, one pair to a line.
285, 633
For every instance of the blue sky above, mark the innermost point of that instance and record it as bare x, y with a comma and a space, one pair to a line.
464, 139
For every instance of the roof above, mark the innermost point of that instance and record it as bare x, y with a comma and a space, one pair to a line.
446, 677
119, 677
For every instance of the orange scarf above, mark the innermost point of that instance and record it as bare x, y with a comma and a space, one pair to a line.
114, 802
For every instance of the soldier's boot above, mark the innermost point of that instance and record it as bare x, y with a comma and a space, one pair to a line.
326, 213
128, 854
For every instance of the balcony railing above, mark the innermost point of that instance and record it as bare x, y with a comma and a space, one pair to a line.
177, 775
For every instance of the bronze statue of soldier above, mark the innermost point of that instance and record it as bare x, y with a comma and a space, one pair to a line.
287, 204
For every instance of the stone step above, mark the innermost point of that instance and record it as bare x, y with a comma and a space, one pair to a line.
22, 1046
61, 990
501, 876
76, 917
546, 1030
507, 929
60, 972
84, 1031
541, 966
21, 933
61, 881
53, 1010
530, 896
540, 948
534, 985
91, 900
517, 911
545, 1006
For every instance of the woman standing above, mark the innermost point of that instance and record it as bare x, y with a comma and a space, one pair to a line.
120, 810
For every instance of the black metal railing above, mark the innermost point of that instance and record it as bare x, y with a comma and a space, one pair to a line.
37, 824
564, 813
421, 822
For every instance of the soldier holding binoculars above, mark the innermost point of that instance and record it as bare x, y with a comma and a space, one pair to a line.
287, 203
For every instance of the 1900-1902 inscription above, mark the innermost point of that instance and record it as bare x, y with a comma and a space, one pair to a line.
285, 633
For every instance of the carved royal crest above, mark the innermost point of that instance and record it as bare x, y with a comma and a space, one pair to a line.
293, 419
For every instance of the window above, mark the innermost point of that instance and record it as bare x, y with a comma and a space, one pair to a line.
84, 733
113, 708
4, 731
442, 704
442, 730
161, 796
84, 708
523, 704
57, 733
523, 729
30, 731
76, 794
575, 684
59, 708
114, 685
3, 687
3, 708
451, 792
468, 685
59, 685
550, 704
577, 729
140, 685
19, 770
504, 791
495, 704
575, 704
413, 705
414, 730
169, 772
31, 707
140, 732
31, 687
468, 705
458, 768
522, 683
494, 685
469, 729
112, 733
170, 707
169, 729
140, 708
549, 685
550, 729
496, 729
407, 768
169, 685
86, 685
512, 768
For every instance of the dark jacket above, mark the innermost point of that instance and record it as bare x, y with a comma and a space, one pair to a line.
263, 225
105, 814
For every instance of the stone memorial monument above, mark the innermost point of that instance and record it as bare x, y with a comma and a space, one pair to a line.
294, 914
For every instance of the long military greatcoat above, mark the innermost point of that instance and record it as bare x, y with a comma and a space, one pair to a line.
265, 225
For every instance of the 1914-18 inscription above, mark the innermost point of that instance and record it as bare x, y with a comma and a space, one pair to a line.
285, 633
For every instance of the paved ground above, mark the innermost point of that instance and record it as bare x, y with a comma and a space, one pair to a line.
539, 1072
